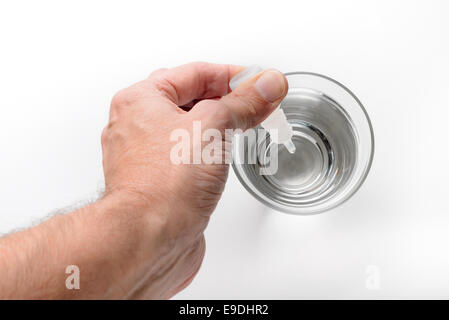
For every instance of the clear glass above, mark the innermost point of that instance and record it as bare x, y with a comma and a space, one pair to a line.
334, 144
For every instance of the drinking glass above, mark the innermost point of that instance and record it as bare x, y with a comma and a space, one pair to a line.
334, 144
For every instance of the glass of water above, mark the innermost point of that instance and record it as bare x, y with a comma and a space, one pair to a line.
334, 144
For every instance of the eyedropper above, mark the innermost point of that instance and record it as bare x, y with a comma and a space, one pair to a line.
276, 120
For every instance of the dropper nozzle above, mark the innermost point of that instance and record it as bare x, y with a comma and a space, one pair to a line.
290, 146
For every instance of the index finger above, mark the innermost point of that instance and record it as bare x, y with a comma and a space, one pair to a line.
197, 80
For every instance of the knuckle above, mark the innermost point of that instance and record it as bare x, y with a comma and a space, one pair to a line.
104, 136
162, 86
251, 107
123, 98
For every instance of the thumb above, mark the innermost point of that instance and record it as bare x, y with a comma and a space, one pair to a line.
253, 100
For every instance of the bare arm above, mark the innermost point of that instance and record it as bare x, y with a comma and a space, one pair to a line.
105, 240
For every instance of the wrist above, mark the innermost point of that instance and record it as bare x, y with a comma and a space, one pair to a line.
125, 215
120, 240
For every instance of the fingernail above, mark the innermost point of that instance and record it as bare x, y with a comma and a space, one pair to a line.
270, 85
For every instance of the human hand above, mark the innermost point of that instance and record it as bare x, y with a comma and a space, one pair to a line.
144, 238
176, 200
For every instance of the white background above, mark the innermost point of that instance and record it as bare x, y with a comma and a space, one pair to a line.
61, 62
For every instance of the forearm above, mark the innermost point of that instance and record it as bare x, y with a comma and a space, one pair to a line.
104, 240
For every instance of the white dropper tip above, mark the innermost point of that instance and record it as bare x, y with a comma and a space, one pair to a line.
290, 146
